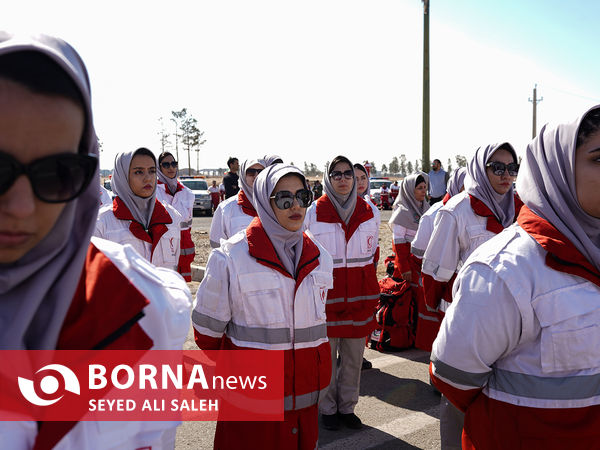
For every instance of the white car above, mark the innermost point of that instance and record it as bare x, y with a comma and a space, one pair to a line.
375, 186
199, 187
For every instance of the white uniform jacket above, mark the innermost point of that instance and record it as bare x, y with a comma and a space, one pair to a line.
425, 230
457, 232
162, 299
520, 341
230, 217
182, 201
248, 297
115, 223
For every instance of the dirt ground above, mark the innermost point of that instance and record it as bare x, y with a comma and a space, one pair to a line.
202, 243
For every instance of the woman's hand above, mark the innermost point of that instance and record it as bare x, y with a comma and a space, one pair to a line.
407, 276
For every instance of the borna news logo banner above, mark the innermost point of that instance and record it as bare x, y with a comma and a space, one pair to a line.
188, 385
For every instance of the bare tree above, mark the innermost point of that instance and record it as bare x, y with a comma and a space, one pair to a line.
177, 118
164, 136
461, 161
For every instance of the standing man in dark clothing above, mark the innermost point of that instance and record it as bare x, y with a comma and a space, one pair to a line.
230, 180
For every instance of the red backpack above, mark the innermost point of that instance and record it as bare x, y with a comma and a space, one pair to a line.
396, 316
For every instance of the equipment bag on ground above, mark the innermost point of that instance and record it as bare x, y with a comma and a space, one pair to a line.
396, 316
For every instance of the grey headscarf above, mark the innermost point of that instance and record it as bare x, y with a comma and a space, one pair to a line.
503, 206
546, 184
170, 182
245, 165
271, 159
344, 204
141, 208
37, 290
408, 211
288, 244
456, 181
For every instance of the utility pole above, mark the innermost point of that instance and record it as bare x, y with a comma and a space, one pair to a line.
425, 154
535, 101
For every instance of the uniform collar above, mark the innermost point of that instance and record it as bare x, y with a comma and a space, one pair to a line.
246, 205
159, 215
562, 254
179, 188
482, 210
261, 248
327, 213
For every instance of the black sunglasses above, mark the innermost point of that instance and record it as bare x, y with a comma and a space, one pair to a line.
285, 199
253, 172
166, 165
498, 168
54, 179
337, 175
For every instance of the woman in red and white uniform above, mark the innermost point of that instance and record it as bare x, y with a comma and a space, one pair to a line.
235, 214
59, 290
363, 189
215, 195
487, 206
518, 348
136, 217
430, 317
169, 191
346, 226
272, 278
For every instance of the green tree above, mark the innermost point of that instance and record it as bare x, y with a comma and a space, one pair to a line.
417, 166
461, 161
394, 165
409, 168
384, 168
402, 166
178, 117
306, 169
190, 136
164, 136
449, 167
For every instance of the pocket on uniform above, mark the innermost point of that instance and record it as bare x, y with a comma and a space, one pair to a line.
262, 298
570, 349
368, 242
322, 282
169, 243
325, 234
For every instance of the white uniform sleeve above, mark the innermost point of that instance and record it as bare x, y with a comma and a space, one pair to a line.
212, 312
419, 243
443, 250
482, 325
216, 227
100, 230
399, 234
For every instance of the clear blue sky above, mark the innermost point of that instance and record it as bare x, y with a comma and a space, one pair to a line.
309, 80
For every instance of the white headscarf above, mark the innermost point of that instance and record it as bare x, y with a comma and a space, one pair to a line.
456, 181
503, 206
141, 208
271, 159
343, 204
407, 210
287, 244
246, 165
38, 289
546, 185
170, 182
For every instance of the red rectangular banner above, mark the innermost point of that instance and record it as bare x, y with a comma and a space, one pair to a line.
190, 385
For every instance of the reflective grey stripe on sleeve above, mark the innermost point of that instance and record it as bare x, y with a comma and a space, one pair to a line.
432, 319
417, 252
430, 309
399, 240
262, 335
186, 274
311, 334
550, 388
214, 244
440, 274
477, 380
202, 320
331, 301
349, 322
337, 261
187, 251
185, 224
355, 260
363, 297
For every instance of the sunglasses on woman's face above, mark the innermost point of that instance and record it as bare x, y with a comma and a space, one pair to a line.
498, 168
166, 165
285, 199
54, 179
253, 172
337, 175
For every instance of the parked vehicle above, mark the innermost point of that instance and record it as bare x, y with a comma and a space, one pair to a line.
375, 185
199, 187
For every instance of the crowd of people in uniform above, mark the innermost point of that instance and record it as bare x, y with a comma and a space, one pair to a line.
507, 285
